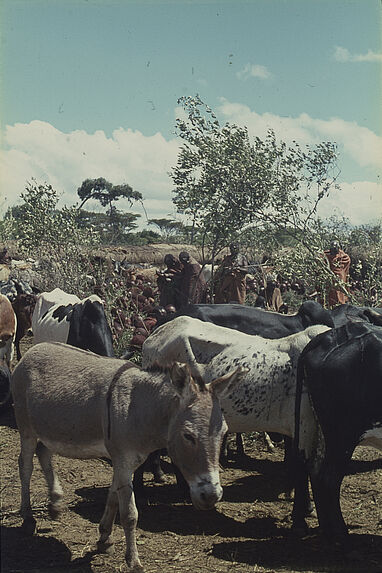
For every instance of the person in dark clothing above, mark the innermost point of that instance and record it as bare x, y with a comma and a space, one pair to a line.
168, 282
339, 264
230, 277
193, 286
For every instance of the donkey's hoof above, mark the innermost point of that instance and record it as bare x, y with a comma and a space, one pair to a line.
54, 510
28, 526
105, 547
137, 568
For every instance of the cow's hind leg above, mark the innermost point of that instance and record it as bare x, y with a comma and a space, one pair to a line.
55, 491
28, 448
326, 486
301, 495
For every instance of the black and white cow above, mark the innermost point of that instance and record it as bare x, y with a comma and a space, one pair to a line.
258, 321
62, 317
342, 371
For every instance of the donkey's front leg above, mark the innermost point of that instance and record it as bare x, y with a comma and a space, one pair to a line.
128, 512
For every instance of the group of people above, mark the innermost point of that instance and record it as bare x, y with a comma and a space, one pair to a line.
183, 283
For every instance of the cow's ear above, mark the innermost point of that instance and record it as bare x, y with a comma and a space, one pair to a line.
181, 378
220, 386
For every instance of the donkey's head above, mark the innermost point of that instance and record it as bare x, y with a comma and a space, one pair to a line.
197, 430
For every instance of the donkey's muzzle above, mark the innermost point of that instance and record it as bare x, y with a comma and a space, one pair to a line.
205, 494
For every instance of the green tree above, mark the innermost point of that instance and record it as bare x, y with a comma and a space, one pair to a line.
53, 236
224, 181
119, 224
106, 193
168, 228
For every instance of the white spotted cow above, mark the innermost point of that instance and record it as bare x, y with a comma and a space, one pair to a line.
62, 317
264, 400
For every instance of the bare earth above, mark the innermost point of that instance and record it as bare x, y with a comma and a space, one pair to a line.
248, 532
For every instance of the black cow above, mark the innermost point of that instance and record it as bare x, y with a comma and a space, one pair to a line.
346, 312
342, 371
257, 321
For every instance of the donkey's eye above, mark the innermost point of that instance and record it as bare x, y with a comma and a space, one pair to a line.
189, 438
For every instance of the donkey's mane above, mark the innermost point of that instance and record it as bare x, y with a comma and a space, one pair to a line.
156, 367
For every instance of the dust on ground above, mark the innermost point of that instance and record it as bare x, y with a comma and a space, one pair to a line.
248, 532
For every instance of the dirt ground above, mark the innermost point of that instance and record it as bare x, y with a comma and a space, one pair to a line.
248, 532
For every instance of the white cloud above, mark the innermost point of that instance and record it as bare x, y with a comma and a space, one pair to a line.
41, 151
343, 55
64, 160
361, 144
360, 201
253, 71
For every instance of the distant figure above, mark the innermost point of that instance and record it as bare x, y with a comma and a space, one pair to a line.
5, 257
339, 263
168, 282
193, 286
230, 277
273, 297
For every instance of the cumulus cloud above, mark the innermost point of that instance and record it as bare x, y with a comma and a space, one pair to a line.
343, 55
253, 71
359, 201
361, 144
64, 160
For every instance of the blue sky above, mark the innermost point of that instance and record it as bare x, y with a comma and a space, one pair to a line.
89, 88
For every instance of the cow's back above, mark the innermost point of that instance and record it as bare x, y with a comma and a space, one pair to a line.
50, 320
257, 321
89, 328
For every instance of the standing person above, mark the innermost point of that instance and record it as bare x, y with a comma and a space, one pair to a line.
193, 286
230, 277
168, 282
339, 264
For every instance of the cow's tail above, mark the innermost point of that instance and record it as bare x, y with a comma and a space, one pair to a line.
297, 412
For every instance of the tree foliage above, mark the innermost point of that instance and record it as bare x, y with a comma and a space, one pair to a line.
225, 182
54, 236
106, 193
119, 224
168, 227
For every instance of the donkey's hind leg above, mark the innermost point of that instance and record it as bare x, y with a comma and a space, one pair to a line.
105, 542
28, 448
55, 491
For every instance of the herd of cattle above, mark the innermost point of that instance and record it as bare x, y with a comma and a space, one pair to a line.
314, 377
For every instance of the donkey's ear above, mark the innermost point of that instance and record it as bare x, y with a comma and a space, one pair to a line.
226, 383
181, 377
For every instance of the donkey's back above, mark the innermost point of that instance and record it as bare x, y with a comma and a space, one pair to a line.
62, 401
